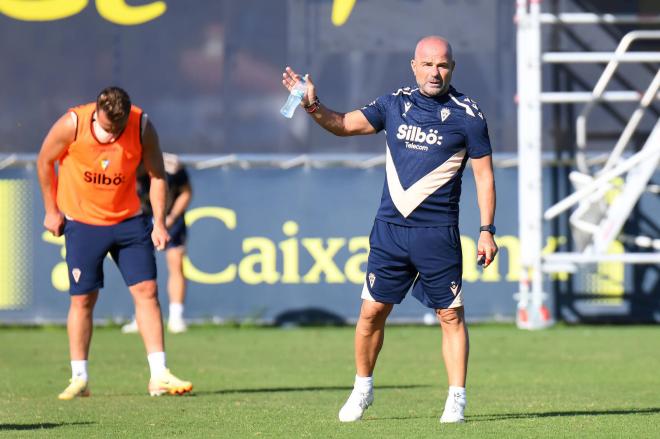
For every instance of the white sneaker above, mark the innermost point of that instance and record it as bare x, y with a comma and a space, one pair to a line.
355, 406
176, 326
454, 409
130, 327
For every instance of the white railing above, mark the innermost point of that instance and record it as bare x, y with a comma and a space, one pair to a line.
588, 18
601, 84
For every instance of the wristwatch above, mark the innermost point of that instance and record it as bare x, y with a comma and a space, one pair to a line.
488, 228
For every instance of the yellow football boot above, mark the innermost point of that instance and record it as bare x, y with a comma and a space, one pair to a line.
78, 387
168, 383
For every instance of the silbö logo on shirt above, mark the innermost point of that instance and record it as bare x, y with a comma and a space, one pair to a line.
416, 138
102, 179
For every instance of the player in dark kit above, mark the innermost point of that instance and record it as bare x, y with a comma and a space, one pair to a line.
431, 132
179, 194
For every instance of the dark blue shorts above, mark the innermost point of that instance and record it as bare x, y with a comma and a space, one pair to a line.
178, 233
427, 258
129, 244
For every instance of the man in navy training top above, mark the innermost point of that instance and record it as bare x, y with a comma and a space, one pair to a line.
431, 131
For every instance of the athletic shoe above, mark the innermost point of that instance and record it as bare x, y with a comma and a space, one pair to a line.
78, 387
130, 327
355, 406
176, 326
168, 383
454, 409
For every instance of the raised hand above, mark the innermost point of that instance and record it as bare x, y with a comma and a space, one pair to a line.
289, 79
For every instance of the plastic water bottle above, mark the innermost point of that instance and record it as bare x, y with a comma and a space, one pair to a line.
296, 95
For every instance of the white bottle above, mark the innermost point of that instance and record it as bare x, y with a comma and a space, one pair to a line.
297, 92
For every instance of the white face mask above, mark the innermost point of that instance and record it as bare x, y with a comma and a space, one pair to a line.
102, 135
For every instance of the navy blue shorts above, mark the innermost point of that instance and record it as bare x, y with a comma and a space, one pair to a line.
178, 233
129, 244
427, 258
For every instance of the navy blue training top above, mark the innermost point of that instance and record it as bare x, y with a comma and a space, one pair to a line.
429, 141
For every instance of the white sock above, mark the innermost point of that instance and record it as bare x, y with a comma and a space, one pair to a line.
458, 391
156, 363
79, 369
363, 384
176, 311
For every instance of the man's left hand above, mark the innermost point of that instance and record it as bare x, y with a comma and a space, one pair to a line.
486, 248
159, 236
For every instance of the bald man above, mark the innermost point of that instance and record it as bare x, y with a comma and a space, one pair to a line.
431, 132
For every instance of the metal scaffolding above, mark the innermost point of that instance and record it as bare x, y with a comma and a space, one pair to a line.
594, 223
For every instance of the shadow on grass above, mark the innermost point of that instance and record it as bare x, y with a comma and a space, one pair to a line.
39, 426
396, 418
505, 416
298, 389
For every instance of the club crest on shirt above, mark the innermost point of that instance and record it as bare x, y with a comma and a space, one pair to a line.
372, 279
76, 274
105, 163
444, 113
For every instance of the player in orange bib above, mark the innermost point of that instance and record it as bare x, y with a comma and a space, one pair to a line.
92, 201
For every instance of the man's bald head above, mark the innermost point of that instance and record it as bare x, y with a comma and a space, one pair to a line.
433, 44
433, 65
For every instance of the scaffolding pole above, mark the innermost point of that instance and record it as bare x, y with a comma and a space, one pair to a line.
532, 312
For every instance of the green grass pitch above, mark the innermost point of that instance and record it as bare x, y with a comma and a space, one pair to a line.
264, 382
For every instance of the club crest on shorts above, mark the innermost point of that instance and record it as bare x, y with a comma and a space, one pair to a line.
105, 163
76, 274
372, 279
444, 113
454, 288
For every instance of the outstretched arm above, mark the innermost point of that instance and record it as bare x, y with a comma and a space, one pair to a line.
485, 182
339, 124
152, 158
58, 139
